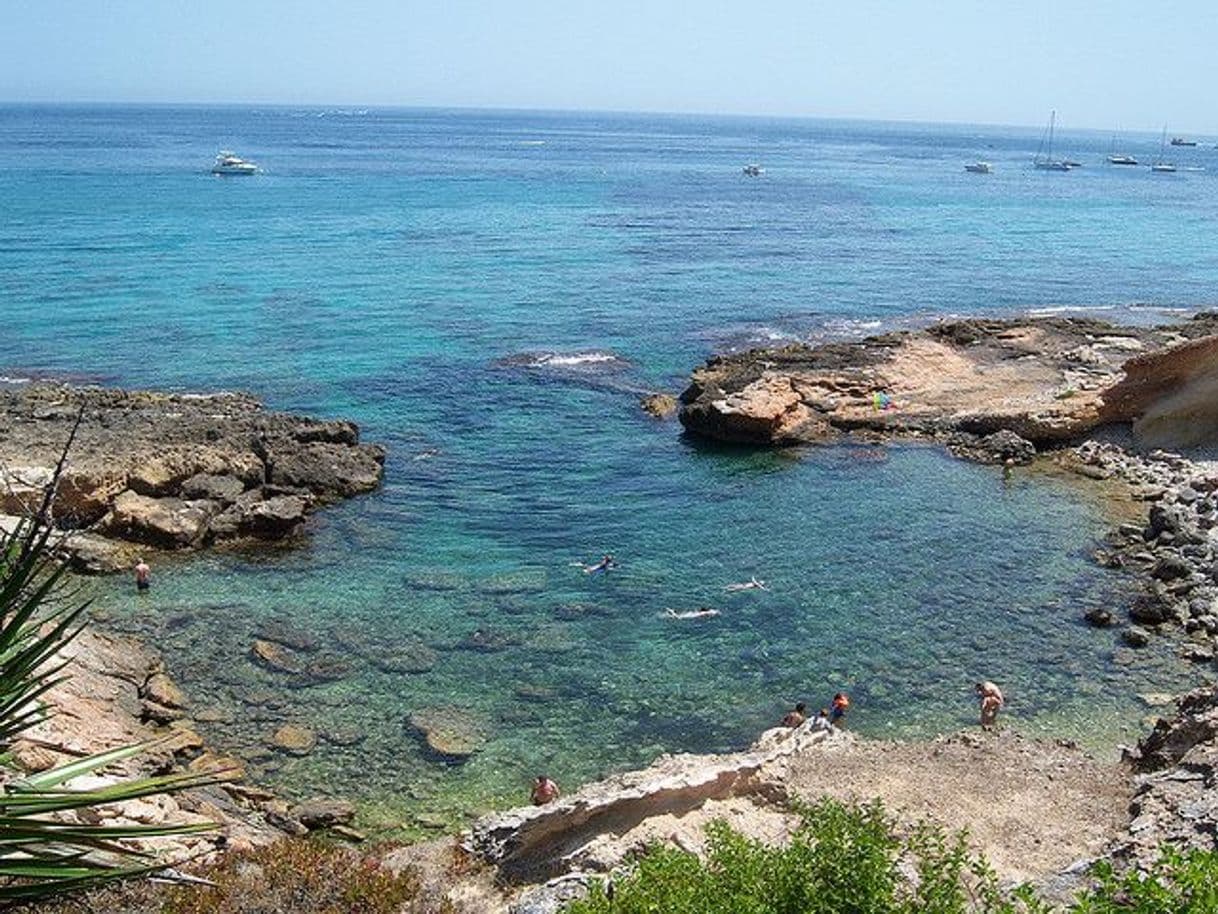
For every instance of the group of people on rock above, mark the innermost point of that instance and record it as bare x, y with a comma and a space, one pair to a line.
825, 719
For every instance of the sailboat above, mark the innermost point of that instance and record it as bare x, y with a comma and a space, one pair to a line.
1117, 158
1160, 165
1044, 155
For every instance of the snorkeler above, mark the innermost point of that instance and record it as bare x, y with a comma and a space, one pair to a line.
751, 584
702, 612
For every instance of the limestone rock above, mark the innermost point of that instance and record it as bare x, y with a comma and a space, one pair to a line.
661, 406
222, 489
168, 523
164, 691
294, 740
332, 471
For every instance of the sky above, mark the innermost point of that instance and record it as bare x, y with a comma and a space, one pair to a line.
1123, 64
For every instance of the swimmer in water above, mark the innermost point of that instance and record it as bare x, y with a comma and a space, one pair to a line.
702, 612
602, 566
751, 584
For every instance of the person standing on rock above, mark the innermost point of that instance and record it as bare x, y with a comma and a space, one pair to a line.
544, 791
143, 576
838, 709
991, 703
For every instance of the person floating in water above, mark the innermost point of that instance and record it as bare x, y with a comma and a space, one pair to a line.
991, 701
838, 709
751, 584
606, 564
702, 612
796, 716
143, 576
544, 791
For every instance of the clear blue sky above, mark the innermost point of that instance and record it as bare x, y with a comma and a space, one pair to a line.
1122, 63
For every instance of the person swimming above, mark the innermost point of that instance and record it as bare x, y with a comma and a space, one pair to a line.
751, 584
702, 612
839, 707
606, 564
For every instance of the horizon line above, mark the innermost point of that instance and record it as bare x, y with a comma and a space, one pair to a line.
512, 109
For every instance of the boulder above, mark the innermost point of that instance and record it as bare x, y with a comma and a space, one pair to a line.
294, 740
1152, 607
769, 410
322, 813
275, 518
331, 471
1135, 636
450, 734
1171, 567
222, 489
168, 523
161, 689
1100, 618
661, 406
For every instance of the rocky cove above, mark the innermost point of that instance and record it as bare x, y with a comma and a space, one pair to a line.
1008, 392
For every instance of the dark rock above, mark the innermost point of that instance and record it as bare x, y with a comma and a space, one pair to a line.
1135, 636
1197, 653
1170, 567
661, 406
332, 471
487, 641
322, 813
1152, 607
222, 489
1100, 618
343, 736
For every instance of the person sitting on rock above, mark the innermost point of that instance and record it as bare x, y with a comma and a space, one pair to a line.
838, 709
991, 702
822, 720
143, 575
544, 791
796, 717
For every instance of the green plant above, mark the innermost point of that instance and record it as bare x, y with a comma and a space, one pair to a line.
842, 859
1180, 881
45, 848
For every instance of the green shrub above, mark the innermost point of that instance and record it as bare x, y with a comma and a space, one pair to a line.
1179, 882
842, 859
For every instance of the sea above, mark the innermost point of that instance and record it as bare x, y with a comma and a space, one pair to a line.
488, 293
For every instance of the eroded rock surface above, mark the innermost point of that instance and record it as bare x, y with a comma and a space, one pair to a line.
1042, 381
172, 471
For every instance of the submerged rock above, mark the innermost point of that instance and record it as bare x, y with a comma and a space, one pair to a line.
294, 740
276, 658
661, 406
451, 734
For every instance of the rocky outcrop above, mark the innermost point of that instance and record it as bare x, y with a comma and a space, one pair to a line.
1176, 792
172, 471
538, 842
1171, 397
1040, 382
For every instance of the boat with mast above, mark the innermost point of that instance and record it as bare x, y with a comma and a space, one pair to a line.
1119, 158
1161, 165
1044, 154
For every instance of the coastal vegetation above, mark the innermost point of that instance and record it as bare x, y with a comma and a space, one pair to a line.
854, 858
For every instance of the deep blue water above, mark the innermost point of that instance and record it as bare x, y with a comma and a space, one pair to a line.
398, 267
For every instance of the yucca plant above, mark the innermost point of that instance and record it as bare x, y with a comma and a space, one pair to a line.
45, 847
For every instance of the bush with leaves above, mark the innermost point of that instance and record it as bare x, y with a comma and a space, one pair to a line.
46, 847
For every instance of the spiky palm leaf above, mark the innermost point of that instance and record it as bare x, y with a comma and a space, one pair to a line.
44, 848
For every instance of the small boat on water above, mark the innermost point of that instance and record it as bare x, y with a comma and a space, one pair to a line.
1122, 160
228, 163
979, 168
1181, 141
753, 170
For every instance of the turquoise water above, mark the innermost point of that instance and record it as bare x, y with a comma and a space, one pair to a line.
419, 271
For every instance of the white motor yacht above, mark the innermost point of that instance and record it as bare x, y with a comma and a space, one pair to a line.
979, 168
228, 163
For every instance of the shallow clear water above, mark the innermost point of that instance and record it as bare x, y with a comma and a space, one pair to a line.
407, 268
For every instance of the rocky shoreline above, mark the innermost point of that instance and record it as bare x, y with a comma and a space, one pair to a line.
165, 471
997, 391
